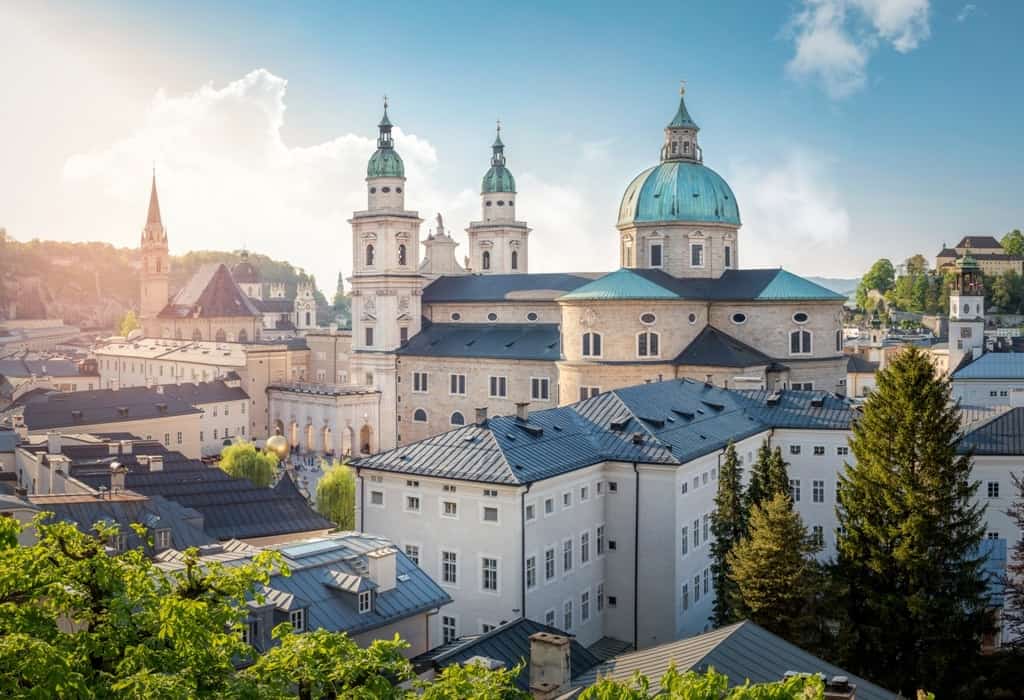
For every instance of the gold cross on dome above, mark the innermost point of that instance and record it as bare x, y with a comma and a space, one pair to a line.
499, 126
682, 88
385, 101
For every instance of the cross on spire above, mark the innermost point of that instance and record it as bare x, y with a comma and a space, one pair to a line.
682, 88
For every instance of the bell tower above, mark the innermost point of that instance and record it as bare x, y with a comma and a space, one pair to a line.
498, 244
153, 274
966, 313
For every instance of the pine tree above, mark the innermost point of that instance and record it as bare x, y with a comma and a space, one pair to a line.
757, 489
728, 525
1013, 609
909, 536
778, 474
773, 571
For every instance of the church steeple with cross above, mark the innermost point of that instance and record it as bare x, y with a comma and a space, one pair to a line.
497, 243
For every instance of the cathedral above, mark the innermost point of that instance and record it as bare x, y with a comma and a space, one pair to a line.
435, 344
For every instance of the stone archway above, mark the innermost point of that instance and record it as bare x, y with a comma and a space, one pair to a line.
310, 445
220, 336
327, 438
197, 334
278, 427
348, 441
366, 440
293, 434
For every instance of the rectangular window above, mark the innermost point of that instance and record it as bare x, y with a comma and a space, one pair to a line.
818, 491
419, 382
531, 512
600, 540
449, 631
728, 256
697, 255
655, 254
707, 581
450, 509
685, 541
685, 596
369, 335
818, 535
376, 498
298, 620
540, 388
993, 489
250, 631
567, 499
499, 387
600, 597
549, 618
696, 588
531, 572
413, 552
457, 384
706, 527
489, 574
794, 490
490, 514
403, 335
587, 392
167, 438
549, 563
584, 606
584, 493
842, 451
819, 450
567, 615
613, 487
696, 534
567, 556
600, 488
584, 548
794, 449
365, 602
449, 567
163, 539
549, 506
412, 504
412, 483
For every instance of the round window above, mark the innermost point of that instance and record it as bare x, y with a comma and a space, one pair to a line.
800, 317
648, 318
385, 189
531, 316
692, 318
739, 318
487, 203
373, 190
398, 189
456, 316
492, 316
510, 202
501, 202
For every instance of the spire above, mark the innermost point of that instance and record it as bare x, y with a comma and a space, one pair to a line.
384, 138
153, 216
498, 150
682, 120
681, 134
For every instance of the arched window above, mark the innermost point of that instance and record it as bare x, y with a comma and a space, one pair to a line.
515, 259
591, 345
243, 337
308, 318
369, 255
458, 419
158, 265
419, 416
627, 255
197, 334
800, 342
401, 254
220, 336
647, 344
487, 260
839, 340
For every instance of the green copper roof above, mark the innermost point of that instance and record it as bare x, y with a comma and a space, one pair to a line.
679, 191
967, 262
682, 118
788, 287
498, 178
385, 163
621, 284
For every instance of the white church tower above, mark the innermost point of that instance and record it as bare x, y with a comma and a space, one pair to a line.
498, 244
966, 313
386, 285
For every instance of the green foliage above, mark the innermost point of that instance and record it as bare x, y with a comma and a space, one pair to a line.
9, 530
880, 277
774, 573
129, 323
473, 682
728, 525
1013, 611
908, 564
920, 290
758, 489
243, 461
1013, 242
778, 474
1005, 291
336, 496
708, 686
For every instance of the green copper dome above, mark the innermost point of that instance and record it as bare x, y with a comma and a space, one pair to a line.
385, 162
498, 178
679, 191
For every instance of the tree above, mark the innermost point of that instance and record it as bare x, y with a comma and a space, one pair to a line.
909, 536
339, 292
728, 525
1013, 611
758, 488
778, 474
773, 571
710, 685
243, 461
1013, 242
129, 323
336, 496
880, 277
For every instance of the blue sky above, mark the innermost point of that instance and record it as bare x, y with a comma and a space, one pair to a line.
850, 129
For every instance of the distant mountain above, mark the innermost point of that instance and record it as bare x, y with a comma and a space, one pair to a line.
837, 285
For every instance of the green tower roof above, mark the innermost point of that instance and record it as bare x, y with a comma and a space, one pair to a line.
385, 162
682, 118
498, 178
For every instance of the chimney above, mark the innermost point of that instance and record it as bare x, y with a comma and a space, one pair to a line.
159, 388
126, 447
481, 416
840, 688
381, 565
156, 463
550, 671
53, 443
523, 411
117, 474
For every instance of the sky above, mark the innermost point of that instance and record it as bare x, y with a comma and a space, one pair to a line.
848, 129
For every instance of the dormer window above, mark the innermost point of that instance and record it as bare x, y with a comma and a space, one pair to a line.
162, 539
365, 602
298, 620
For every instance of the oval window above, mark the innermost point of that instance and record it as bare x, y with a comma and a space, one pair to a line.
456, 316
398, 189
739, 318
648, 318
510, 202
692, 318
373, 190
501, 202
800, 317
531, 316
487, 203
492, 316
385, 189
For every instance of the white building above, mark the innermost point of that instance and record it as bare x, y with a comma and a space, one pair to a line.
994, 379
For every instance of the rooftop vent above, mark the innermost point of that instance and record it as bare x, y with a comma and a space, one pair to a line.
122, 410
774, 398
638, 438
818, 402
619, 424
713, 406
76, 414
656, 422
688, 415
532, 429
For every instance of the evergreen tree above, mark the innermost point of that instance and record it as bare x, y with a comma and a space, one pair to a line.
778, 474
1013, 610
728, 525
757, 489
773, 571
908, 548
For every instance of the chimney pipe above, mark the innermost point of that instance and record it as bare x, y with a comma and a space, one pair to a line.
550, 668
117, 474
53, 443
481, 415
523, 410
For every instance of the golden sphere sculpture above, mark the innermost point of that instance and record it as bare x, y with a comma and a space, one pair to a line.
278, 445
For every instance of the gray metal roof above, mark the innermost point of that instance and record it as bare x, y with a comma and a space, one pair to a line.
993, 365
1002, 435
714, 348
26, 367
668, 422
55, 410
859, 364
205, 392
480, 288
742, 651
513, 341
508, 643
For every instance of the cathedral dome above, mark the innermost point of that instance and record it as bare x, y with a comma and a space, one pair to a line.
498, 179
244, 272
385, 162
679, 190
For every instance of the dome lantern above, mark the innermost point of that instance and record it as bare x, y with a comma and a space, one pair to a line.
498, 178
681, 134
385, 162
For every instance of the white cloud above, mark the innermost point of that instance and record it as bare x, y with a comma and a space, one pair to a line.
792, 215
834, 39
966, 11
